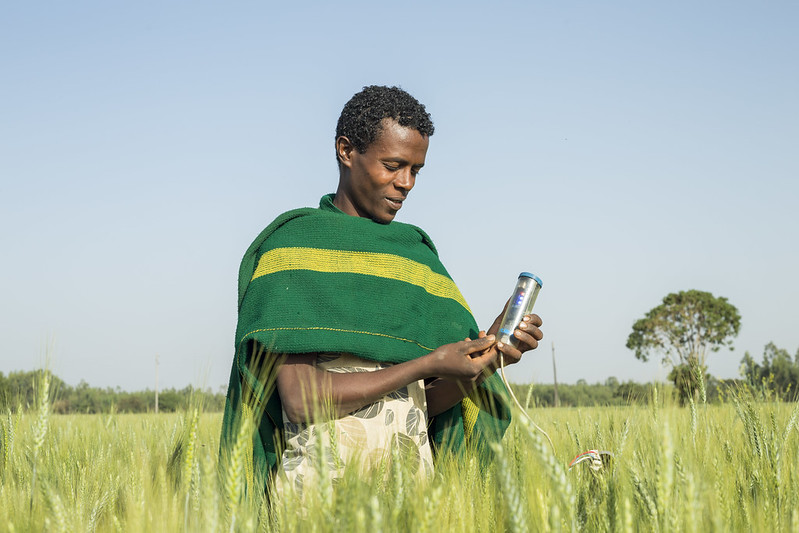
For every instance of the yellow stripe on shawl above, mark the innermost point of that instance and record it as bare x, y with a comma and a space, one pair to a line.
469, 410
369, 263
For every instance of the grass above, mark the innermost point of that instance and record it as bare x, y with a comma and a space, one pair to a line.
730, 467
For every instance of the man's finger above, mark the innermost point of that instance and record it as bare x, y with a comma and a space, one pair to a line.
478, 345
527, 342
486, 358
527, 329
513, 354
534, 320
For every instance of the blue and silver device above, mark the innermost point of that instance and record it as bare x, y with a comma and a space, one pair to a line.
521, 303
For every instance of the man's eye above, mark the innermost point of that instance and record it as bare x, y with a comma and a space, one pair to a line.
391, 167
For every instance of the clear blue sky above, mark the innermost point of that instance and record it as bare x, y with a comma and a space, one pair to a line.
619, 150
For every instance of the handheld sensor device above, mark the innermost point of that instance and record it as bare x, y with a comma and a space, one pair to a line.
521, 303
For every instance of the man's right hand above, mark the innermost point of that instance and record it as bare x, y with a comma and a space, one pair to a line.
465, 360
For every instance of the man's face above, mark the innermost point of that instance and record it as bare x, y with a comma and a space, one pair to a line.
375, 183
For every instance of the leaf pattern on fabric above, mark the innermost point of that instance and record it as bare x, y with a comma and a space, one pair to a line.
370, 411
408, 451
345, 370
422, 438
305, 435
417, 396
326, 358
376, 458
399, 394
292, 459
427, 466
351, 432
290, 427
413, 421
389, 416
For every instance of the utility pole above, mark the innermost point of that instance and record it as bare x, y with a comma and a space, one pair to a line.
156, 383
555, 374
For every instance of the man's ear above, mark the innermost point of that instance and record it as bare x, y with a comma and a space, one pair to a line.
344, 151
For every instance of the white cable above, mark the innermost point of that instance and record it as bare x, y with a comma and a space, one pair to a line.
522, 409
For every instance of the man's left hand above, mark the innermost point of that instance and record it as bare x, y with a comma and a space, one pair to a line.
528, 334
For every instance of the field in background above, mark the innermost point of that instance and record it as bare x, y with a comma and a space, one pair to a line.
724, 467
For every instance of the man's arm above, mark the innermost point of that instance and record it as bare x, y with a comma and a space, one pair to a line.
442, 394
302, 386
459, 367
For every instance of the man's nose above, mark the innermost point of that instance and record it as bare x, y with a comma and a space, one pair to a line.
405, 180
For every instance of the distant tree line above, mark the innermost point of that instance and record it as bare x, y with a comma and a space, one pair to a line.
777, 376
18, 389
582, 394
611, 392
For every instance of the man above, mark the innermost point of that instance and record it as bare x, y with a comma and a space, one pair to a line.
351, 332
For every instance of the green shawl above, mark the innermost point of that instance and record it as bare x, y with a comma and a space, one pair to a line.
319, 280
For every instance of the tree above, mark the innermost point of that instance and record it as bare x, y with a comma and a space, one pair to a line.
779, 373
683, 329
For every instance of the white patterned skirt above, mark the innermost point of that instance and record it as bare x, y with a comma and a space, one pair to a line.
368, 439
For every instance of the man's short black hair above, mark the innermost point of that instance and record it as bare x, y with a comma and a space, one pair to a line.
361, 118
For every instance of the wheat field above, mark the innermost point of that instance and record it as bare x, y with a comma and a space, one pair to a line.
728, 467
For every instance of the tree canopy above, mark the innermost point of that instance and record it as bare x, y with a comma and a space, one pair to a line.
684, 328
778, 374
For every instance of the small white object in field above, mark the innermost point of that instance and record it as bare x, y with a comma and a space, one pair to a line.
595, 459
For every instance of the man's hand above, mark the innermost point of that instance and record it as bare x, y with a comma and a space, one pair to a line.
528, 334
463, 361
463, 365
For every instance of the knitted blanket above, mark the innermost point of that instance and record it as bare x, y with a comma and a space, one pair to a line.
319, 280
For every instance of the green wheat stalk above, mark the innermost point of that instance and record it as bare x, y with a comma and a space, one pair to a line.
43, 414
510, 492
234, 472
56, 507
700, 377
40, 427
376, 514
554, 469
209, 493
188, 463
529, 396
399, 482
8, 441
97, 511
